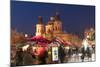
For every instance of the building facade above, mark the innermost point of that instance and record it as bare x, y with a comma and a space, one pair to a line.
52, 29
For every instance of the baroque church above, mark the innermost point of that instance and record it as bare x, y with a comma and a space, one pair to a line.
52, 29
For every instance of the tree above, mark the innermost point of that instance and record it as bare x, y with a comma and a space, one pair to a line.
17, 37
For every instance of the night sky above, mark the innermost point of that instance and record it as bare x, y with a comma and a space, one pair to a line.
75, 18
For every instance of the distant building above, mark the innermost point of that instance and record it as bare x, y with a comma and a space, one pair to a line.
90, 35
39, 27
52, 29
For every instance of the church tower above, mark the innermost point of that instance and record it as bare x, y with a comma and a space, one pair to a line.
39, 27
57, 24
49, 28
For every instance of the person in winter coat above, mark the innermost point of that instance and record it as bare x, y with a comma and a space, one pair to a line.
41, 54
19, 57
27, 58
61, 53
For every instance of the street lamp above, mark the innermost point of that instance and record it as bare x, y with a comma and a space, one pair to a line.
26, 35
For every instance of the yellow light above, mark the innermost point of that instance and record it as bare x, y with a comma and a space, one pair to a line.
85, 43
67, 47
24, 48
88, 36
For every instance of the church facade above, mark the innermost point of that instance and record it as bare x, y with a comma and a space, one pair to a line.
53, 29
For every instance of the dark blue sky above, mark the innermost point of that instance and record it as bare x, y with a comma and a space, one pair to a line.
75, 18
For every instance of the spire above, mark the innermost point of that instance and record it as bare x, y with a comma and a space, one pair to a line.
52, 18
57, 16
40, 20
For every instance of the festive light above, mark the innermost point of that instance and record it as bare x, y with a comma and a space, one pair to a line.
88, 36
85, 44
25, 47
26, 35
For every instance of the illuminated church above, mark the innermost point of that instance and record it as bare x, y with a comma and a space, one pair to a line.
53, 28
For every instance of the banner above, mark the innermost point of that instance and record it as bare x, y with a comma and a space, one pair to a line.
55, 54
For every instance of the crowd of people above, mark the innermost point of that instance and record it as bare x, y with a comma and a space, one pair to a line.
34, 55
